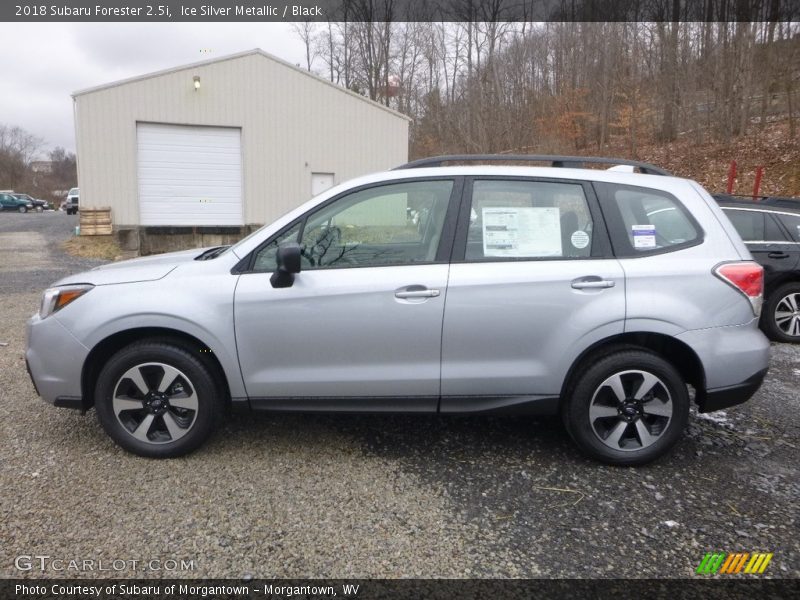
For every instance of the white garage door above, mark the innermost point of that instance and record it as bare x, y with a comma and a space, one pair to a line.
189, 175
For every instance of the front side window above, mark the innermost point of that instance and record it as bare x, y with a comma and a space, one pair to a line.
395, 224
528, 220
266, 257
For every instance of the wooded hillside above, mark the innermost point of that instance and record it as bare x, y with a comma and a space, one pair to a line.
641, 90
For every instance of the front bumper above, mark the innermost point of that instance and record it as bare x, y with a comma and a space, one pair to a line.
54, 359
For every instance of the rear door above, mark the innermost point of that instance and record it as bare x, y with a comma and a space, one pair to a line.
532, 284
767, 240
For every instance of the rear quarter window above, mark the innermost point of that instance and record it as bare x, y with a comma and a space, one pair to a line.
792, 223
644, 221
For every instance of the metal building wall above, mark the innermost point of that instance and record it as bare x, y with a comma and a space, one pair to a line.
292, 124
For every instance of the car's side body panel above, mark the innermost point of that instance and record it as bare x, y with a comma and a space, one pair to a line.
341, 333
514, 328
459, 290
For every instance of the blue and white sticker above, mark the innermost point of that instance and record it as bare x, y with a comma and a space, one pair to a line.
644, 236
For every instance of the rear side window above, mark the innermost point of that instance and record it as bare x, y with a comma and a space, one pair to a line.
792, 223
528, 220
646, 221
755, 225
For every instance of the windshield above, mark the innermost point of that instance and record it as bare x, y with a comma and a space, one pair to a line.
73, 191
252, 235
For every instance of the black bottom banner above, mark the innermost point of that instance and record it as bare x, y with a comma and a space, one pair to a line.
256, 589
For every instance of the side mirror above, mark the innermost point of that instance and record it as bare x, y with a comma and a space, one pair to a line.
288, 259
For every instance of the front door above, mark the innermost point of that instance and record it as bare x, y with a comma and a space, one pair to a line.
361, 324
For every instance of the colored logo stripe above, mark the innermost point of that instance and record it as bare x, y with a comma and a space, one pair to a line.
721, 562
758, 563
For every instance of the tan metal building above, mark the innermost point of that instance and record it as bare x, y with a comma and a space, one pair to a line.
221, 146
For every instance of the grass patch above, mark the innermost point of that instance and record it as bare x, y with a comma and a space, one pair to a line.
92, 246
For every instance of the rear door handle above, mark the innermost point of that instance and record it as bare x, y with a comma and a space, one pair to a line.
778, 255
592, 283
416, 294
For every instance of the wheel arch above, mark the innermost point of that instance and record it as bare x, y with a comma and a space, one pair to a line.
781, 280
110, 345
676, 352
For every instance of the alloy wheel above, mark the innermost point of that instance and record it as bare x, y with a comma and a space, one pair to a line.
630, 410
155, 403
787, 314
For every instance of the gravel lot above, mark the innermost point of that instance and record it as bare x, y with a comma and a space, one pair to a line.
378, 496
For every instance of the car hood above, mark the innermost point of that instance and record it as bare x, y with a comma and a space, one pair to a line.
146, 268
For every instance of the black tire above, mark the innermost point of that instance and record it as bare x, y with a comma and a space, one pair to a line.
588, 392
781, 298
195, 381
23, 209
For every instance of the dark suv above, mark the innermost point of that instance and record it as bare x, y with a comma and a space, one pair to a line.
771, 230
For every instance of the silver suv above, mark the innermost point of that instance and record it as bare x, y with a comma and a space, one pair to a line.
599, 295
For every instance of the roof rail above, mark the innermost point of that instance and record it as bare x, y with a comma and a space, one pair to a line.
574, 162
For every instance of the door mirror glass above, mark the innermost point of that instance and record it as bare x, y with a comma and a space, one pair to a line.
288, 259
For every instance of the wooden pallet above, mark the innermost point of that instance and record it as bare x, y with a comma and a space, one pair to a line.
95, 221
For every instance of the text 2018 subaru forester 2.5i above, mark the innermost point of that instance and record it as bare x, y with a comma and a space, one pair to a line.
599, 295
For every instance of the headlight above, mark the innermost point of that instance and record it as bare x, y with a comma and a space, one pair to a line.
54, 299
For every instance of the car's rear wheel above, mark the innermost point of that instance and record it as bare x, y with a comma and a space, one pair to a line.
627, 408
158, 399
23, 209
781, 317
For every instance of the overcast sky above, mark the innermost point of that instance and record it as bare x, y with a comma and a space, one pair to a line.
41, 64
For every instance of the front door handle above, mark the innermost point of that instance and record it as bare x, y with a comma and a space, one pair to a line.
592, 283
778, 255
416, 293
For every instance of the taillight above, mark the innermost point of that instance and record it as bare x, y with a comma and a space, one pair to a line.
748, 278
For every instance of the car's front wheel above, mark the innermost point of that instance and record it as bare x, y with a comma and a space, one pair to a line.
627, 408
158, 399
781, 316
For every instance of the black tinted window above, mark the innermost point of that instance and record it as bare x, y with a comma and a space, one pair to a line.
749, 224
755, 225
792, 223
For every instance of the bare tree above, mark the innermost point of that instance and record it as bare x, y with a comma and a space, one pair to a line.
307, 32
17, 149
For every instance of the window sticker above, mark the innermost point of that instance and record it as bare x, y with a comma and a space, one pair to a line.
644, 236
521, 231
580, 239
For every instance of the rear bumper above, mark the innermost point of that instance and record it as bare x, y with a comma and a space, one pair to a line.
735, 360
732, 395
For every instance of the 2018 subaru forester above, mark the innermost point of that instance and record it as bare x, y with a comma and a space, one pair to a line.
599, 295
